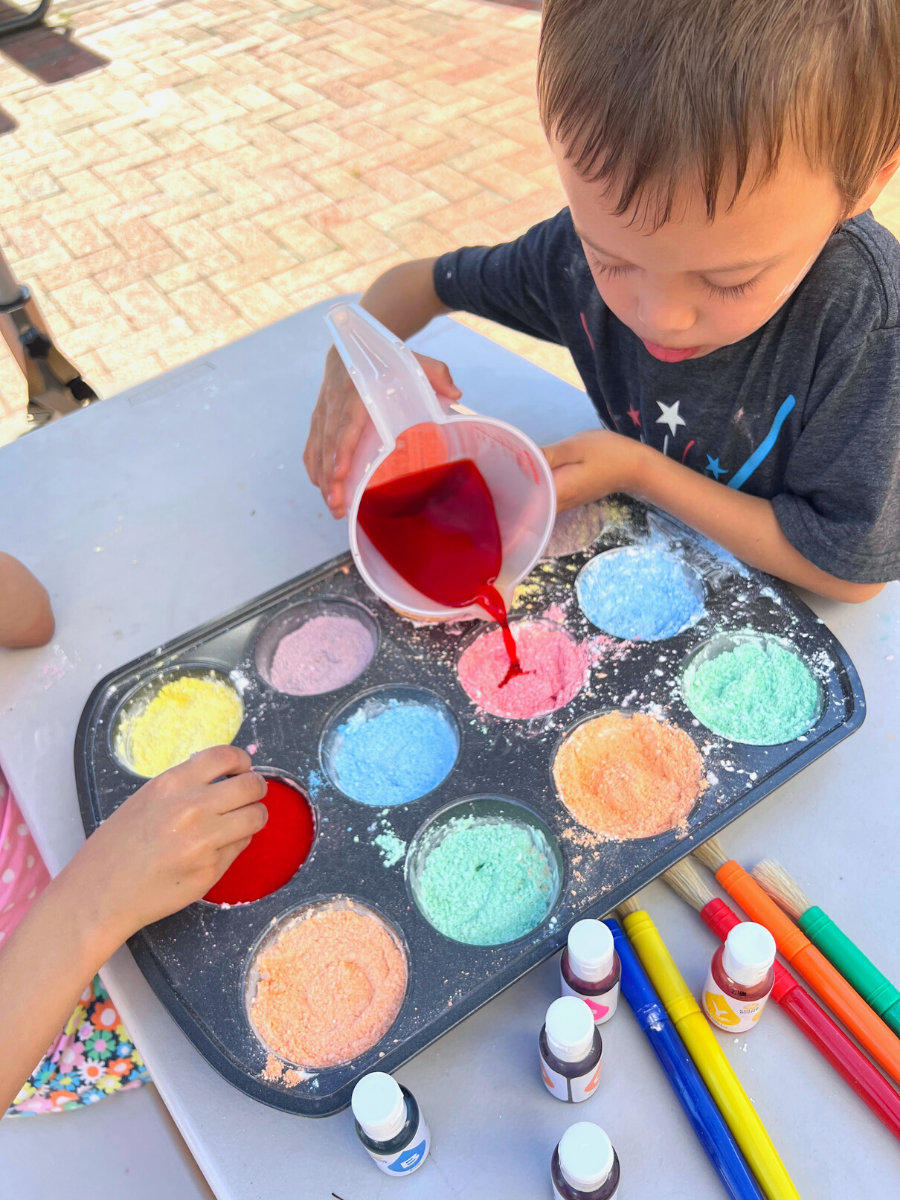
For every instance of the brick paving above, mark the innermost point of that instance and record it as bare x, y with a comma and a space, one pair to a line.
240, 159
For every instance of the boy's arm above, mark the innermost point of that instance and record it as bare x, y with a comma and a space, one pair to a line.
596, 463
404, 300
26, 618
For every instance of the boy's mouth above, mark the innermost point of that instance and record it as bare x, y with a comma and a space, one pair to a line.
669, 353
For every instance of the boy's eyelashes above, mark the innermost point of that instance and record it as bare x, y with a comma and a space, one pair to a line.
731, 292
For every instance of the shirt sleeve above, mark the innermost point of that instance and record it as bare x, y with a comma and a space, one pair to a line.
506, 283
840, 506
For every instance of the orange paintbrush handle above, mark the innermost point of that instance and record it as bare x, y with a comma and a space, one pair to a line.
862, 1021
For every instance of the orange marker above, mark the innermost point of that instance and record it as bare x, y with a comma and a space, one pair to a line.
815, 968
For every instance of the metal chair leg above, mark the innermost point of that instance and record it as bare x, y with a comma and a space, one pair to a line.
25, 20
55, 387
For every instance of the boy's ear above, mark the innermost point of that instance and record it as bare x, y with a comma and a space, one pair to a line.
877, 186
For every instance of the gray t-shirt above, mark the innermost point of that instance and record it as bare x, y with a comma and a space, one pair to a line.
804, 412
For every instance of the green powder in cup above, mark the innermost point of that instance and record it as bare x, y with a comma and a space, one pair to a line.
486, 882
757, 692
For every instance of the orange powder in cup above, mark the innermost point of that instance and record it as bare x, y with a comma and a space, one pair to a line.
628, 777
329, 987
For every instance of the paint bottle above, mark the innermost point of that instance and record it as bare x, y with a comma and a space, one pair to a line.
589, 968
741, 976
570, 1047
584, 1165
389, 1124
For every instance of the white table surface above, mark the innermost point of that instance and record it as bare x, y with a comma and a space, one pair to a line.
154, 511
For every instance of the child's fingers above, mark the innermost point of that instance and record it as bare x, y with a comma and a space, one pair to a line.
438, 374
238, 792
240, 824
226, 856
211, 764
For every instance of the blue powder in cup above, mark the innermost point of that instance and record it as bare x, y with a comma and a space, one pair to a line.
392, 754
641, 593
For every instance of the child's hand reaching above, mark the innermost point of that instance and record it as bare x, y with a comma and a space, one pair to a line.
172, 840
339, 420
592, 465
162, 849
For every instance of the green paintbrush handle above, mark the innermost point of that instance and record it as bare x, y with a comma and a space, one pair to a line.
877, 990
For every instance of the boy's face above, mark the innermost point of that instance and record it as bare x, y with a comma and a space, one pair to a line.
692, 285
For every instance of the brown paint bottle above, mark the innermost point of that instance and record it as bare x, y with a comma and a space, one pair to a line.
584, 1165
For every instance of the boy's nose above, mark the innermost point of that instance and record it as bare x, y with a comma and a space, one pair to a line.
664, 313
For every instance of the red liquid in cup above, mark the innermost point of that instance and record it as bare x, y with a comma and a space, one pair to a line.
438, 529
274, 854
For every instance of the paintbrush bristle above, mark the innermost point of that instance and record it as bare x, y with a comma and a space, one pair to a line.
711, 854
686, 881
783, 888
631, 905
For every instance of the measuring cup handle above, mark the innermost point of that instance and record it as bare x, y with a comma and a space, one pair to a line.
385, 372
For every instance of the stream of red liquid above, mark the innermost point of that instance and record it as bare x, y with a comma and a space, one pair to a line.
438, 529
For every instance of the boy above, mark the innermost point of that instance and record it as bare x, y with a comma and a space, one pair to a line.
731, 305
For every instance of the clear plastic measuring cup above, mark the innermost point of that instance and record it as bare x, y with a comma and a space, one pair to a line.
411, 431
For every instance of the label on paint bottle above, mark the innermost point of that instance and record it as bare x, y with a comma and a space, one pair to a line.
573, 1091
405, 1161
602, 1006
557, 1194
729, 1013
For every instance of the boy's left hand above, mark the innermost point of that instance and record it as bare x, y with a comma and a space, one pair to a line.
592, 465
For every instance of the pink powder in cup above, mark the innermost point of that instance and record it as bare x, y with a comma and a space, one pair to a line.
325, 653
555, 670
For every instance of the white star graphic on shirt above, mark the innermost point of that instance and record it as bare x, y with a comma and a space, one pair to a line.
670, 416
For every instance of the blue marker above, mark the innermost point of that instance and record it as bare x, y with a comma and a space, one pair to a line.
389, 1124
708, 1123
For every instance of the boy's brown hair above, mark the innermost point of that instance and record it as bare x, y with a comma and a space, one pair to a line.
641, 93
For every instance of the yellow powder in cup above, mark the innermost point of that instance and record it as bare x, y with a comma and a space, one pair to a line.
186, 715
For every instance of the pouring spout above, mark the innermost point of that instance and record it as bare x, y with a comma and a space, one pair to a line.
387, 375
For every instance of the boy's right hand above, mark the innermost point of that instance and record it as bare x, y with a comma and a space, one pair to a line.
339, 420
170, 842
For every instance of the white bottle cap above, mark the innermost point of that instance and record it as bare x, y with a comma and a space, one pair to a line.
585, 1156
591, 951
570, 1029
379, 1106
749, 953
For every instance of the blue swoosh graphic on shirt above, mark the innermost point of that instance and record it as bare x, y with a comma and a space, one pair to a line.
741, 476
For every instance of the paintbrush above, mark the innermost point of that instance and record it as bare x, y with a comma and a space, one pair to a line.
699, 1107
807, 1014
684, 1011
876, 989
863, 1023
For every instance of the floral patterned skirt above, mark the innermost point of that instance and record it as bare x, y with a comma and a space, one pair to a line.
92, 1058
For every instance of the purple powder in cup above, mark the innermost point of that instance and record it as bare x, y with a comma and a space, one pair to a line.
325, 653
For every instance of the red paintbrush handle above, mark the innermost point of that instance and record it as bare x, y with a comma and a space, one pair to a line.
849, 1062
814, 1023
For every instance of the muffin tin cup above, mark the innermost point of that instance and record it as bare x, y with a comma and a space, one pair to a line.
483, 810
271, 934
723, 642
470, 639
691, 576
293, 617
142, 693
196, 959
378, 700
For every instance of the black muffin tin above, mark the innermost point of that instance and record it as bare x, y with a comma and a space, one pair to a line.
197, 960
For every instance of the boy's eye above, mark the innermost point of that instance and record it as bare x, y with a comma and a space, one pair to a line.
610, 272
729, 293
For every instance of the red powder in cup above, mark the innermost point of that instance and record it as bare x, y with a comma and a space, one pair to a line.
554, 671
628, 777
274, 854
329, 987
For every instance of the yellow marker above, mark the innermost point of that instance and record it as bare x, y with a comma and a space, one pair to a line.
733, 1102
